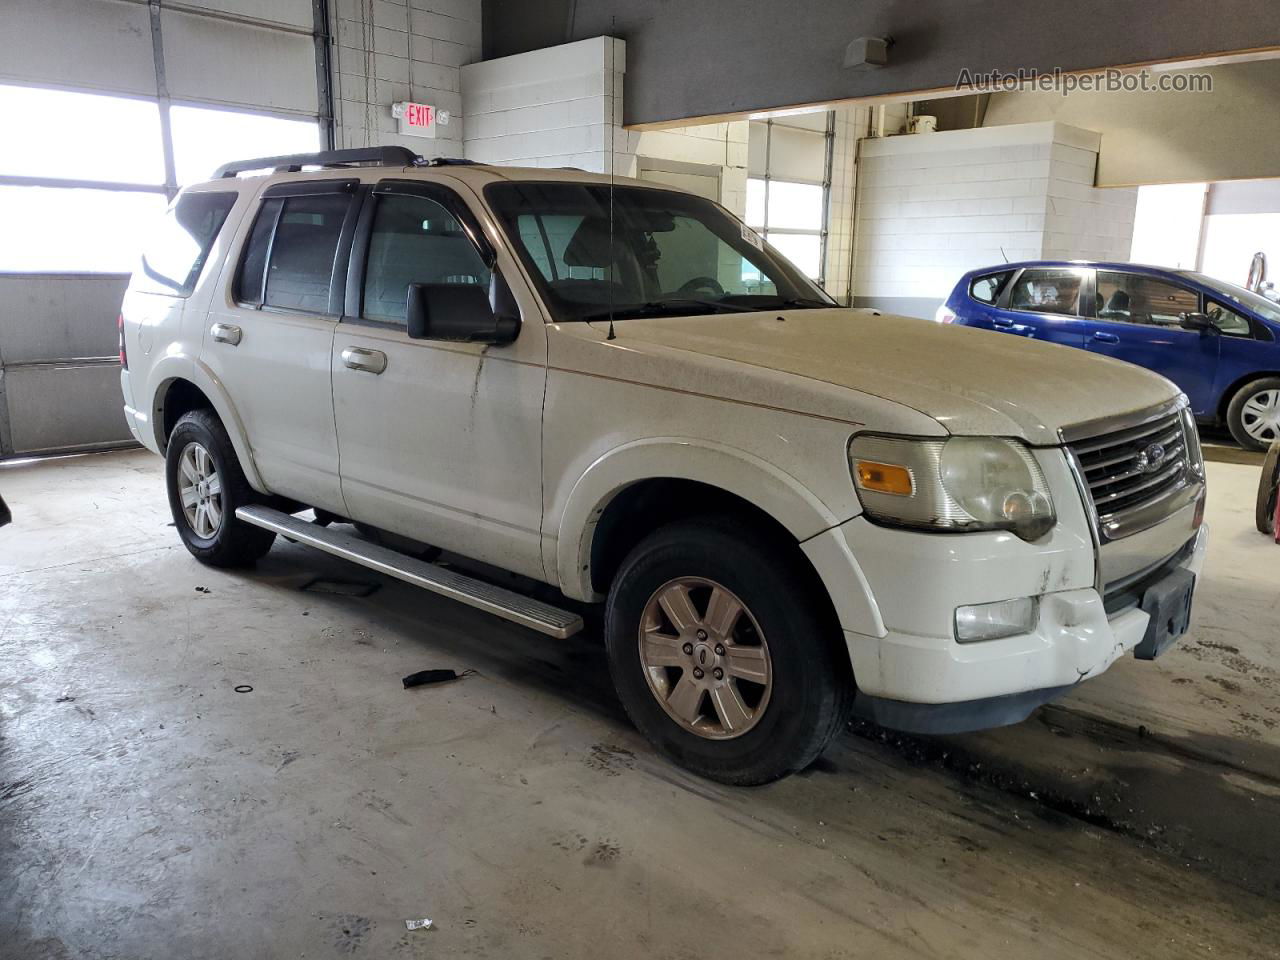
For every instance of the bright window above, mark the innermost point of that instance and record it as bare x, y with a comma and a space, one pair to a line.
789, 216
56, 229
60, 135
205, 138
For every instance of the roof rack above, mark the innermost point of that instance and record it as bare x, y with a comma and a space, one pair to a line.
362, 156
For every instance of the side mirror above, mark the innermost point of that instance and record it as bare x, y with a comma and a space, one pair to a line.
1196, 321
459, 311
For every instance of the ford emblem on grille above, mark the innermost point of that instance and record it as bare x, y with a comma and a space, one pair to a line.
1151, 459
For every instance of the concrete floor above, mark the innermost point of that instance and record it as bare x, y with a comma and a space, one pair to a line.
148, 810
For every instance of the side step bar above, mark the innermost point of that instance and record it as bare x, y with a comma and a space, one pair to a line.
498, 601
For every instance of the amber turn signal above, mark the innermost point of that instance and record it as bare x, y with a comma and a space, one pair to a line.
883, 477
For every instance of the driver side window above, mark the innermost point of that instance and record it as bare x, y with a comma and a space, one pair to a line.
1227, 320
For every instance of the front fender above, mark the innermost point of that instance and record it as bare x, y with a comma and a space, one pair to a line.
185, 367
736, 471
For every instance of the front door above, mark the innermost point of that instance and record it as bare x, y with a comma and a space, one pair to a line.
439, 441
1043, 303
270, 335
1138, 320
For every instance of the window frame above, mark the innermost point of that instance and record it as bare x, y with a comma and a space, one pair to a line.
353, 281
338, 271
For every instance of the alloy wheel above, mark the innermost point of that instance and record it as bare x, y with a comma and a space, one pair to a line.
200, 490
705, 658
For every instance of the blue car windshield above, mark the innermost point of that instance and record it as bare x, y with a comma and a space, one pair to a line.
1246, 298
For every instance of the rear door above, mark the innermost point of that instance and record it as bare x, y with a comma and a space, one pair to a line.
270, 335
1043, 303
1137, 320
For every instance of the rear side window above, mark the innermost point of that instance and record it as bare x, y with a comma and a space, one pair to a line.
987, 289
415, 240
296, 239
177, 252
1047, 291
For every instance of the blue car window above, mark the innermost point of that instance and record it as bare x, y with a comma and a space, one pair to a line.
1142, 299
1227, 320
986, 289
1046, 291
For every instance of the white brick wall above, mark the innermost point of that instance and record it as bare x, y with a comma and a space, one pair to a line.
391, 50
932, 206
562, 107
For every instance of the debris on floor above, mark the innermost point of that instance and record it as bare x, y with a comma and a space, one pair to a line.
342, 588
244, 688
423, 924
423, 677
203, 590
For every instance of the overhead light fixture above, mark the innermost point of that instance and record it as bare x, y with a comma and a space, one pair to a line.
866, 53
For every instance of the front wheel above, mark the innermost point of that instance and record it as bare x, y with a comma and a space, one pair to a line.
206, 485
724, 656
1253, 416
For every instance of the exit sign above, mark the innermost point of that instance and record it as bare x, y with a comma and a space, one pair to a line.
418, 119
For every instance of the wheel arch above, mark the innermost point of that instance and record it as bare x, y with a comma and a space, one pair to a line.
181, 387
1228, 394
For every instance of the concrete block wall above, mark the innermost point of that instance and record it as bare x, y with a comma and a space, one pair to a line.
392, 50
932, 206
562, 107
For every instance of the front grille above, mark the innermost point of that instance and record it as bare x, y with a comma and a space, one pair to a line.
1130, 469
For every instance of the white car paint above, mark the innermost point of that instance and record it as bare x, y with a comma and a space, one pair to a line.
511, 454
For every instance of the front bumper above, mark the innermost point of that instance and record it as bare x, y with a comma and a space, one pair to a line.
912, 674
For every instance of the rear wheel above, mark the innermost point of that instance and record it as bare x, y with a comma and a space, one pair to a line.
1268, 491
205, 485
1253, 416
724, 657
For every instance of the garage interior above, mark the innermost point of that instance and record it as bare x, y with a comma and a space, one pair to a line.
209, 763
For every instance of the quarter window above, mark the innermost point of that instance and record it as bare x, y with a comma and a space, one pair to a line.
1137, 298
415, 240
1047, 291
987, 289
1227, 320
177, 252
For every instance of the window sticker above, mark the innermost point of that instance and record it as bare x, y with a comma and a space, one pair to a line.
752, 237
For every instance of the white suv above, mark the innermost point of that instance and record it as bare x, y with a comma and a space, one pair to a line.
619, 390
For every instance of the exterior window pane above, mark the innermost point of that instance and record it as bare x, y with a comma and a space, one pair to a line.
755, 204
1046, 291
802, 249
415, 240
82, 136
176, 253
1137, 298
205, 138
795, 206
59, 230
301, 268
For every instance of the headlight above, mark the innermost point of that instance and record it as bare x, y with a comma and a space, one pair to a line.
959, 484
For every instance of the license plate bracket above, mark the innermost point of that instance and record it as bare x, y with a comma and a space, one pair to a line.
1168, 604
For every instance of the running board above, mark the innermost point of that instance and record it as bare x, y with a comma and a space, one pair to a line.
498, 601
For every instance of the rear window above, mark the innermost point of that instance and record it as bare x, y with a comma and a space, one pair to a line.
177, 252
987, 288
296, 239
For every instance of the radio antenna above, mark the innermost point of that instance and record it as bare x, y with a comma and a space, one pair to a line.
613, 113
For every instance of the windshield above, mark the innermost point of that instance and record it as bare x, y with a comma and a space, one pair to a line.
1246, 298
663, 254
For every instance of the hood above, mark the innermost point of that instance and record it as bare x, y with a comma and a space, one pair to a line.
973, 382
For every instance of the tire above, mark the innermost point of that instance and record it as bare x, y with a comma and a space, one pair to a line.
788, 721
218, 540
1268, 491
1244, 416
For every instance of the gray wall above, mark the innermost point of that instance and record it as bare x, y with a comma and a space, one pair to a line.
703, 58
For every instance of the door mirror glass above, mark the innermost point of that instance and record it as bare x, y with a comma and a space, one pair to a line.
457, 311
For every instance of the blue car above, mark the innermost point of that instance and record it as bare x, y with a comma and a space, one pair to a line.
1219, 342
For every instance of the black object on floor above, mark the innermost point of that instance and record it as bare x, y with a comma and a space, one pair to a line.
423, 677
342, 588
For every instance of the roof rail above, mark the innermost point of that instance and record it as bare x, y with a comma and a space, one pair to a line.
362, 156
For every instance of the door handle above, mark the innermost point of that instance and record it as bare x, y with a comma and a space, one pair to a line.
370, 361
1099, 337
1001, 322
226, 333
